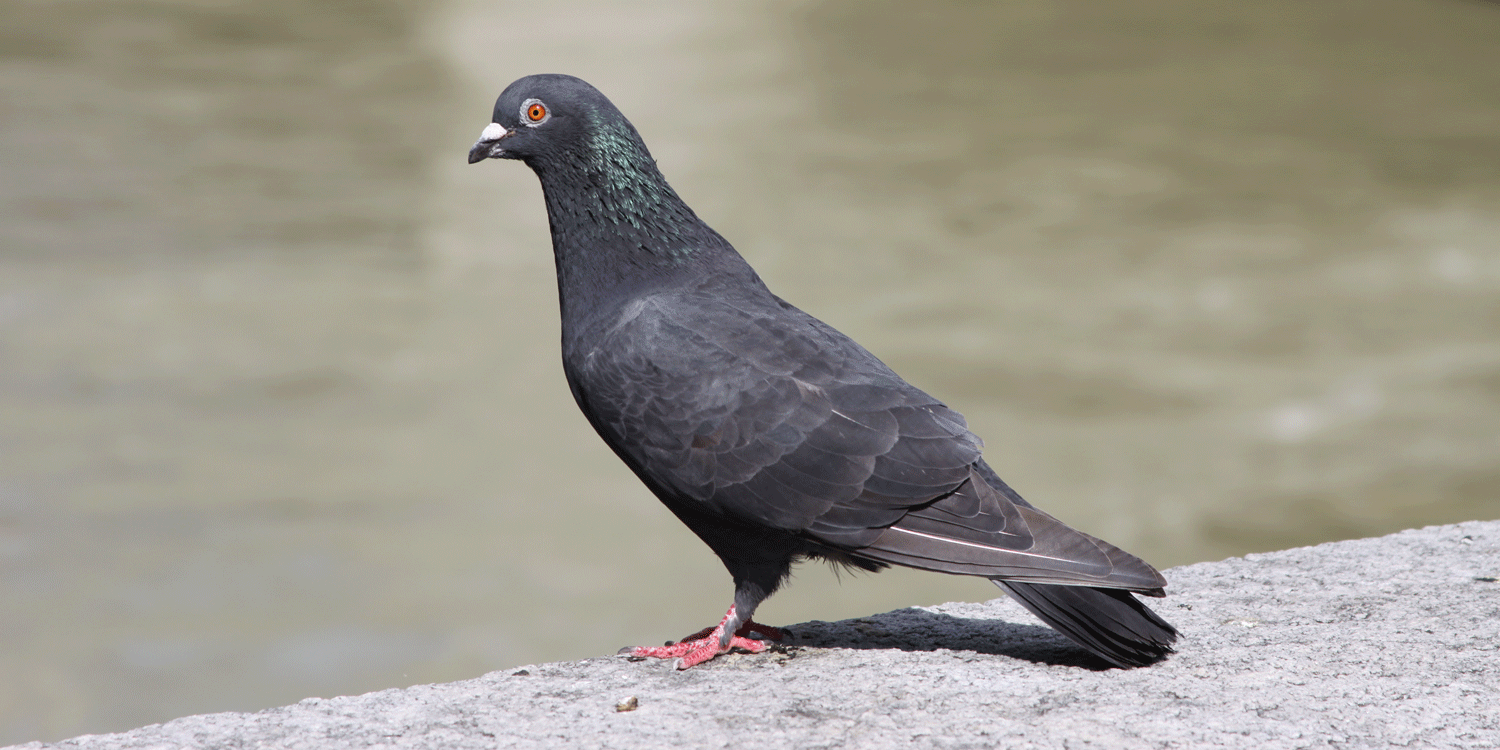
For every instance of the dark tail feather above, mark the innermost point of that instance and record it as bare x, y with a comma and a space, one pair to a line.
1109, 622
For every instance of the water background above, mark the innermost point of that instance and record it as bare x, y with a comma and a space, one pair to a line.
281, 412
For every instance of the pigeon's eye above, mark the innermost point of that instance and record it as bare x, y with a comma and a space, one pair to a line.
534, 112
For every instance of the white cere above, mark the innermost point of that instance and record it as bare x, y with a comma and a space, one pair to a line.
492, 132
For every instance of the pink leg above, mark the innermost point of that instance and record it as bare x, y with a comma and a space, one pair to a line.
767, 632
693, 651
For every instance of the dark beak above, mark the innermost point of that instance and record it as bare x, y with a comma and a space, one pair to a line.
487, 147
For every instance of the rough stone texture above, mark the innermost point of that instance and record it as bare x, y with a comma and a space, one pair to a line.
1368, 643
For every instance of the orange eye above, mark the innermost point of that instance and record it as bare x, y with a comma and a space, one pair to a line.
536, 112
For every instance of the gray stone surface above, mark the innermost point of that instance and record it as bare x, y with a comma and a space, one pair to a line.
1368, 643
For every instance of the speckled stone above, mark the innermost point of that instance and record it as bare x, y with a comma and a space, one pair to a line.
1368, 643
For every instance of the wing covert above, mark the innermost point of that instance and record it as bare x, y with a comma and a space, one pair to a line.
799, 427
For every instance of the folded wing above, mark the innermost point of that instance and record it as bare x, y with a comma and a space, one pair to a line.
803, 430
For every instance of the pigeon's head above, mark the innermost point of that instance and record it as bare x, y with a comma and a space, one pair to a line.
550, 117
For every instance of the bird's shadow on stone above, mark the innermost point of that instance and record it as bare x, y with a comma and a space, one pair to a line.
914, 629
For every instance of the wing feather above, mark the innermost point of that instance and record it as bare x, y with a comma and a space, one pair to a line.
800, 429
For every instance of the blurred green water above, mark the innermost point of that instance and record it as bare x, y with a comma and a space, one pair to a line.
280, 412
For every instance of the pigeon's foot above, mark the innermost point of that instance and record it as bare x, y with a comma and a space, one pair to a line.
710, 642
766, 632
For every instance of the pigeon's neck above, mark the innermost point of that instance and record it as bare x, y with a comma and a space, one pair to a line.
619, 230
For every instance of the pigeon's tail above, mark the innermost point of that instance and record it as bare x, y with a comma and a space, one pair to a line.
1108, 622
1078, 584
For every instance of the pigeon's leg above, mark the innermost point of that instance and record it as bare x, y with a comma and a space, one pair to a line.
717, 640
766, 632
721, 638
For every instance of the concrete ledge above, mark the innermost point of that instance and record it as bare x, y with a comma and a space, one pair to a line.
1366, 643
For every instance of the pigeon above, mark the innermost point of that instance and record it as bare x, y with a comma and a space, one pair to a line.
772, 436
